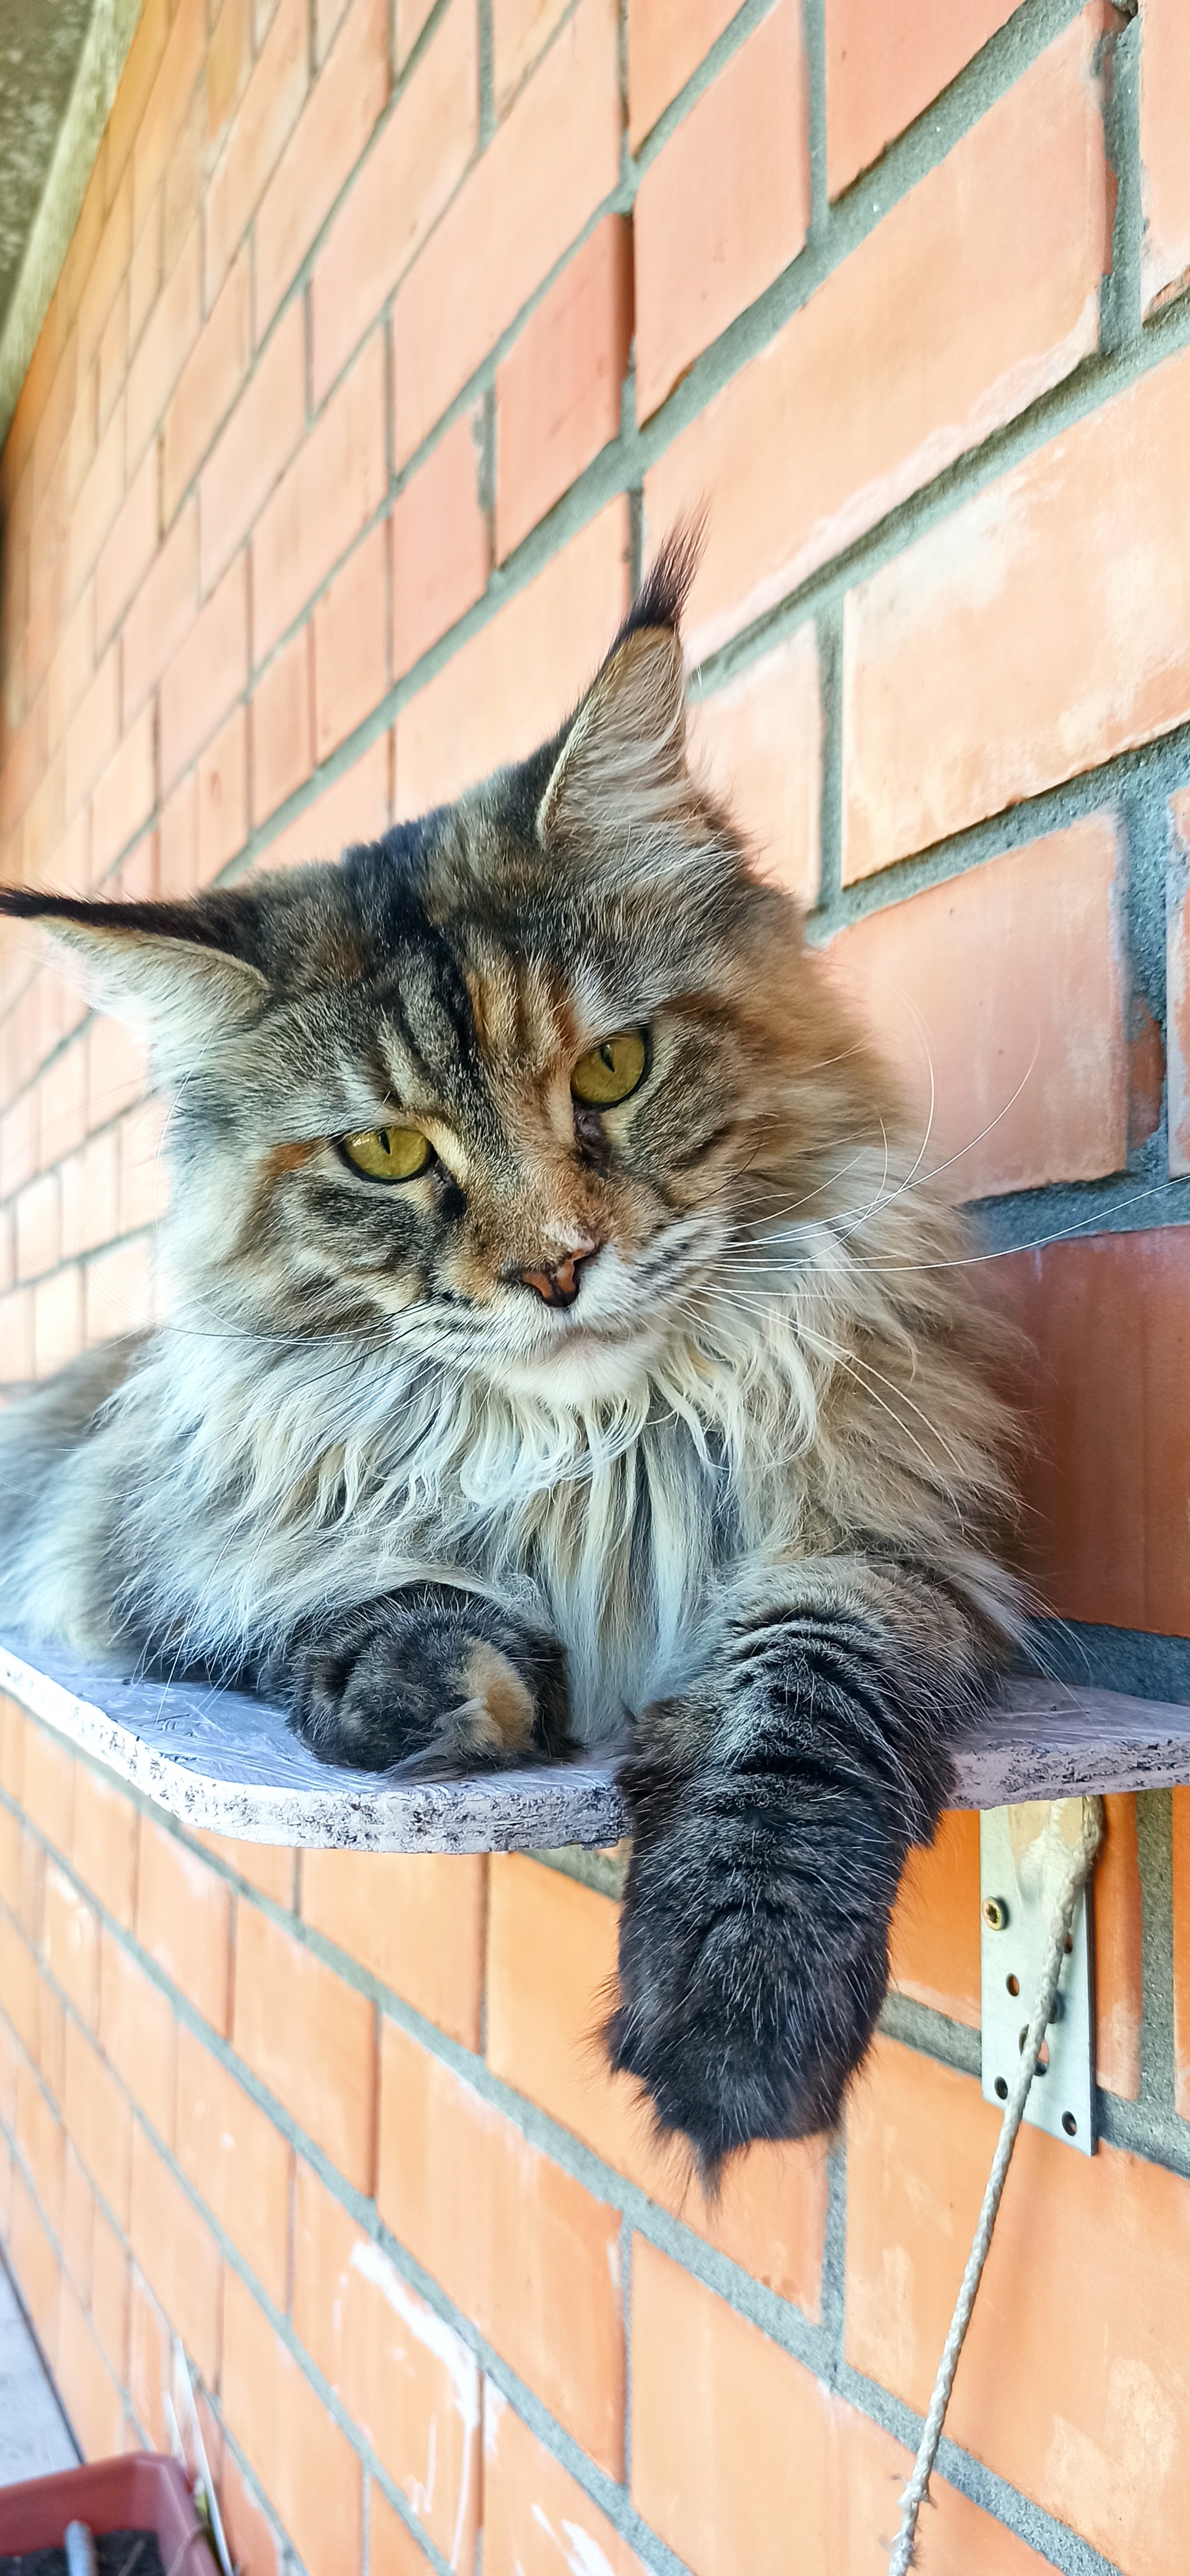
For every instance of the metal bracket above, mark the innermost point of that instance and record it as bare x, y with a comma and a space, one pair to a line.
1014, 1919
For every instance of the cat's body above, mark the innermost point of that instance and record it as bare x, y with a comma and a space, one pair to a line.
648, 1401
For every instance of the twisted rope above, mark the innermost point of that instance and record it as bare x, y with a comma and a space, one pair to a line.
1066, 1868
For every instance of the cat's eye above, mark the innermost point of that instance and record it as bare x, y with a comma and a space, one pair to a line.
387, 1153
610, 1071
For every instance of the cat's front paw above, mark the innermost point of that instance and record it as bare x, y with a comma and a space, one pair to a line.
433, 1673
749, 1983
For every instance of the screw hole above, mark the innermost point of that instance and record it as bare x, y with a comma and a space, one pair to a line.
1070, 2124
1000, 2089
1013, 1984
1069, 1945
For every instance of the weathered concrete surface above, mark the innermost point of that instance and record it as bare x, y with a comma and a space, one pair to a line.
40, 45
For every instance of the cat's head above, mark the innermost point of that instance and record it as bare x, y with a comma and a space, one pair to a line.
509, 1086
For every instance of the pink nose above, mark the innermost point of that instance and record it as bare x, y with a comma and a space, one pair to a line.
560, 1283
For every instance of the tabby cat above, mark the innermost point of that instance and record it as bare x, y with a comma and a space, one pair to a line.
565, 1346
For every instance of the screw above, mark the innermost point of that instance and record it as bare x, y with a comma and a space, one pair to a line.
995, 1913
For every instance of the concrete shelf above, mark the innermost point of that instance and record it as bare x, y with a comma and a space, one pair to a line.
227, 1762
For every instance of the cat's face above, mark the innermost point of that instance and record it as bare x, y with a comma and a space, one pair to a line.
508, 1088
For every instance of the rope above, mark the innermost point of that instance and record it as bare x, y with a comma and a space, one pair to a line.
1066, 1868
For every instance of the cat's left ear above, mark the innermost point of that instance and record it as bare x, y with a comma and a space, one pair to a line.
185, 971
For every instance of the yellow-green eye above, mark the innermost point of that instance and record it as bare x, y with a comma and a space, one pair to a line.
388, 1153
610, 1071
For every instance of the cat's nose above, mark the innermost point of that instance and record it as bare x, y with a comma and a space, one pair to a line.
559, 1283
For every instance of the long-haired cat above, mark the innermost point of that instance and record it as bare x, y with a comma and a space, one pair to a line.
563, 1342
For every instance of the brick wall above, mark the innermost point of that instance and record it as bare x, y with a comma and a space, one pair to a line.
385, 345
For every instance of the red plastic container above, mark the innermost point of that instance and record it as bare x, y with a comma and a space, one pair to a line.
137, 2493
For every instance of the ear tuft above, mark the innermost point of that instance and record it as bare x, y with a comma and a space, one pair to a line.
621, 776
185, 969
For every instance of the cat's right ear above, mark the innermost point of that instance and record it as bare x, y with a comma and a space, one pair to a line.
182, 971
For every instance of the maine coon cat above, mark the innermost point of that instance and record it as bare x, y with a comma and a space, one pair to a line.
565, 1344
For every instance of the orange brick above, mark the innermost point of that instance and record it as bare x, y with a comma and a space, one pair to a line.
10, 1856
667, 40
251, 455
42, 2141
266, 1866
350, 628
322, 153
354, 808
510, 2236
251, 2535
125, 795
542, 177
31, 1896
177, 2254
6, 2177
144, 272
150, 2365
166, 342
328, 16
99, 2121
267, 115
13, 1729
137, 2033
178, 869
127, 554
57, 1322
1181, 1950
63, 1121
108, 267
440, 545
1105, 1488
208, 671
229, 63
37, 1227
305, 2464
542, 2037
89, 2393
18, 1141
331, 490
919, 2145
537, 2521
206, 387
883, 69
558, 393
70, 672
71, 1944
163, 612
521, 30
1026, 1071
19, 1985
134, 87
946, 321
237, 2161
117, 1293
77, 2230
183, 1917
94, 732
222, 818
1165, 74
758, 745
406, 2379
501, 693
111, 2294
48, 1784
94, 512
934, 1940
282, 727
112, 362
416, 1923
1119, 1991
944, 724
725, 205
168, 102
1177, 970
90, 1196
392, 2549
35, 2264
402, 189
309, 2037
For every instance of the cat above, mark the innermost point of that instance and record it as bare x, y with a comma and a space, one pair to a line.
565, 1340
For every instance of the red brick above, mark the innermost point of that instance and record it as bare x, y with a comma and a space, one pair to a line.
223, 797
1059, 2426
725, 205
946, 719
978, 292
266, 426
1106, 1487
406, 2379
536, 186
310, 2038
99, 2121
183, 1913
513, 2239
137, 2032
71, 1944
305, 2464
207, 672
558, 392
415, 1923
521, 675
94, 732
335, 484
37, 1227
163, 612
350, 628
1165, 78
207, 387
266, 118
884, 67
168, 103
103, 1843
356, 807
166, 342
237, 2161
758, 745
322, 153
440, 544
404, 185
177, 2254
667, 40
282, 727
125, 795
35, 2264
542, 2038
